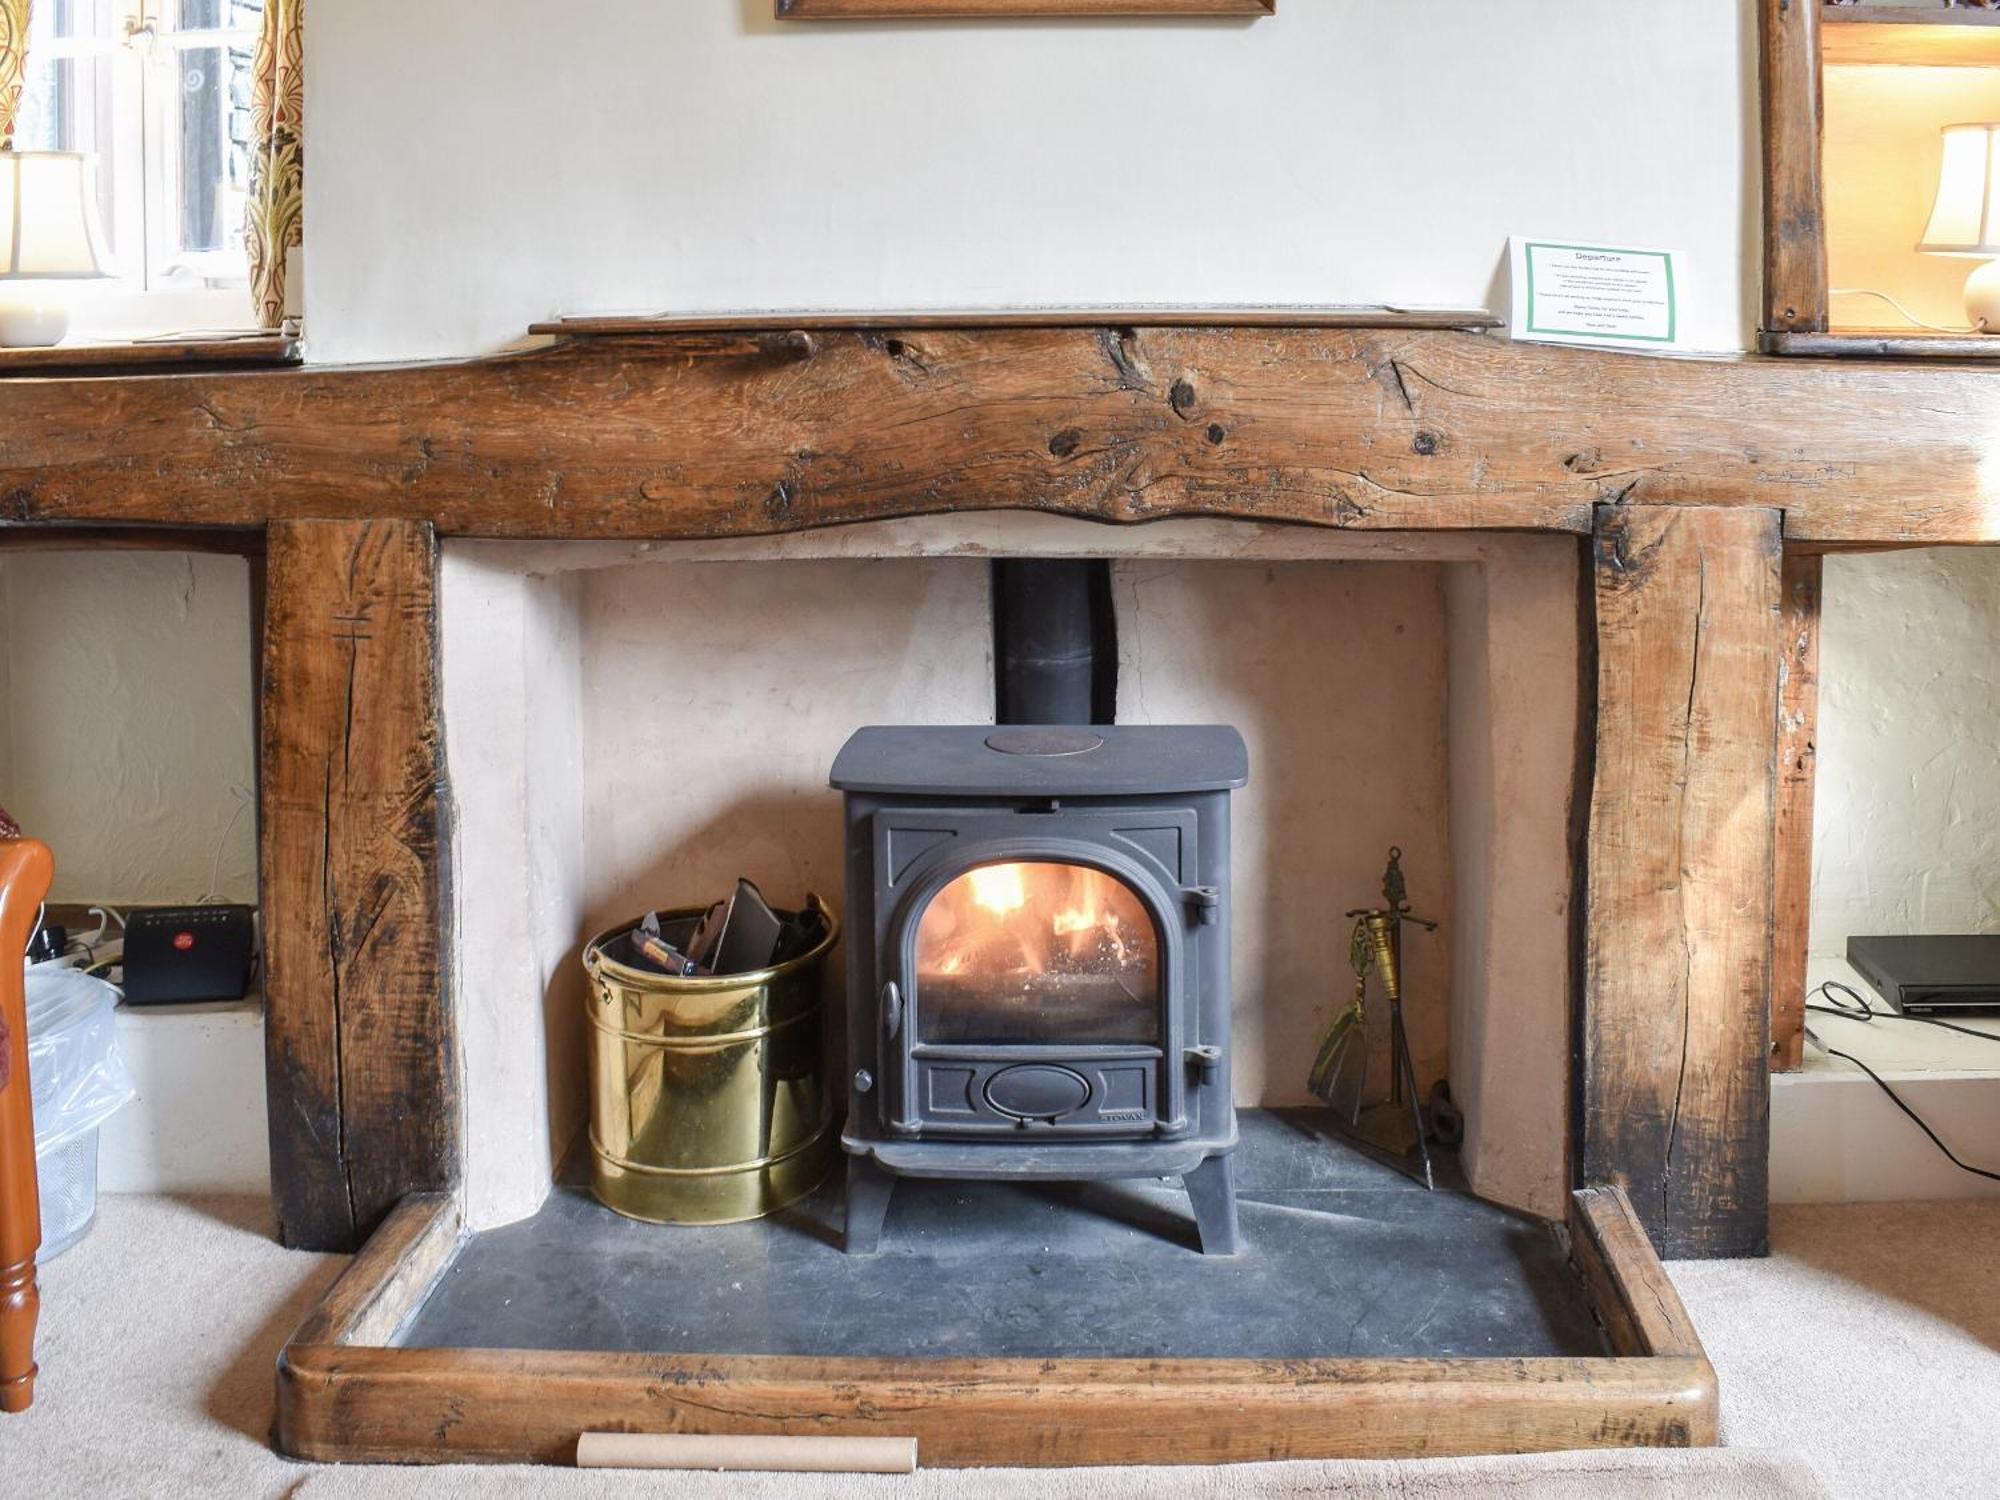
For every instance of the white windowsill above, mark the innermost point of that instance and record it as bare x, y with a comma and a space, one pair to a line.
103, 314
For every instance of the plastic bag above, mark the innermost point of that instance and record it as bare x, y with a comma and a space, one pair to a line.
79, 1081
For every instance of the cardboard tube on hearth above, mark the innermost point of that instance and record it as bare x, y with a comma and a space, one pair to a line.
794, 1455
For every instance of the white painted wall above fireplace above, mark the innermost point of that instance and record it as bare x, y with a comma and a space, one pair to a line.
477, 164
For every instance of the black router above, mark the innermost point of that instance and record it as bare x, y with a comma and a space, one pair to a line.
1924, 976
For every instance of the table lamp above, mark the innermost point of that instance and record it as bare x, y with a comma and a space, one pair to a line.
1965, 219
48, 233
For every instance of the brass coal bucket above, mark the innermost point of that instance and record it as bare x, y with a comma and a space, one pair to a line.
707, 1100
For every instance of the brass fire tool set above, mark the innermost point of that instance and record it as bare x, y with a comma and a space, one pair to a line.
1395, 1125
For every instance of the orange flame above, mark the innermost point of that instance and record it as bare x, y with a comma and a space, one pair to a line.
1000, 888
1020, 918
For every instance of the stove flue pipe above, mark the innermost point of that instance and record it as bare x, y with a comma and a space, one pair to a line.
1055, 641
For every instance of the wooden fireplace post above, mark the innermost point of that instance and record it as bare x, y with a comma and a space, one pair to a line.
1672, 1041
359, 1042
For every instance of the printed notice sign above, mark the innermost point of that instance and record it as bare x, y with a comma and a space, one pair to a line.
1595, 294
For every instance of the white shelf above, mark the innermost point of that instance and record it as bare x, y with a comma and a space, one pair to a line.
1837, 1138
1894, 1048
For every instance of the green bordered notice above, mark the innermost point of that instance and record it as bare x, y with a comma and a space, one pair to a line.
1567, 293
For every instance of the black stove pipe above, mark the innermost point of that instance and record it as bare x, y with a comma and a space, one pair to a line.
1055, 641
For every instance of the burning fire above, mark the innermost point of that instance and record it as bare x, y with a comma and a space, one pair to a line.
1000, 888
1010, 922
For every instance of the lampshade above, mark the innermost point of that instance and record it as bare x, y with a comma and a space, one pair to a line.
1965, 219
48, 218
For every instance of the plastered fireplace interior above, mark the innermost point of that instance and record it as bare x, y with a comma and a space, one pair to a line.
635, 725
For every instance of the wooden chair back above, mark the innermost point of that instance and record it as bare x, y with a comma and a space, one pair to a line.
25, 870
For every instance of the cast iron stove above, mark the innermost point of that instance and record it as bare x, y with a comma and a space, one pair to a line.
1038, 960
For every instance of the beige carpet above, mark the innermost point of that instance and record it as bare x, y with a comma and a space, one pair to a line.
1867, 1348
1870, 1343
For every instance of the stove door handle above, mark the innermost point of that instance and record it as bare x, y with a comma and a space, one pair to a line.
892, 1010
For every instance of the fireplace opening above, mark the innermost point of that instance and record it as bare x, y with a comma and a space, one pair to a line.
635, 725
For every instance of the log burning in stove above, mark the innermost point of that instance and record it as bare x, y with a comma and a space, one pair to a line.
1032, 950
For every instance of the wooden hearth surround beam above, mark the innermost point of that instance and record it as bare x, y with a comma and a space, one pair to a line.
358, 1028
698, 433
1798, 764
344, 1397
1674, 1027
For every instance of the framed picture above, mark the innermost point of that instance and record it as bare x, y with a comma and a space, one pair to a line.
876, 10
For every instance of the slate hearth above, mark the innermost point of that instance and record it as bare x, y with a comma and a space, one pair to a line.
1342, 1257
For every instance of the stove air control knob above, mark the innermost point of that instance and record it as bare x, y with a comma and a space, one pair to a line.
863, 1080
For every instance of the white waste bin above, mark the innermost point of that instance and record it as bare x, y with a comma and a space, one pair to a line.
79, 1082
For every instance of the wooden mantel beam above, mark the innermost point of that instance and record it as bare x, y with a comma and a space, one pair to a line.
713, 433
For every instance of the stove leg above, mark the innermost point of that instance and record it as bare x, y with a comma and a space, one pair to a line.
868, 1190
1211, 1190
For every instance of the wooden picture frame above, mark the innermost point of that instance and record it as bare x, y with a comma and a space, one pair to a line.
878, 10
1796, 38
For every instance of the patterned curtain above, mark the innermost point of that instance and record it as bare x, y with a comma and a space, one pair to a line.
13, 64
275, 215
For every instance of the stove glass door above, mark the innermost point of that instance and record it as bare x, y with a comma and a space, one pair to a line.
1037, 952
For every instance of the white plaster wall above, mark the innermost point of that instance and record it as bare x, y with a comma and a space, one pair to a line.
717, 694
1514, 698
513, 743
128, 722
477, 164
1335, 674
1906, 811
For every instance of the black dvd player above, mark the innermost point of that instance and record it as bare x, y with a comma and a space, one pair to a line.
1923, 976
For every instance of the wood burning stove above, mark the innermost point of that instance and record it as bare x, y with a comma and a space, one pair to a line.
1038, 959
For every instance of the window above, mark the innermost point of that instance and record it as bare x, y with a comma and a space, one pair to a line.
158, 92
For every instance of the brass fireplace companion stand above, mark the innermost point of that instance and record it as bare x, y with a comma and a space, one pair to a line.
1395, 1125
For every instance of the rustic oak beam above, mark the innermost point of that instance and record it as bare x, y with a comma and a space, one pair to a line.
721, 434
1677, 965
358, 1034
1795, 289
1798, 762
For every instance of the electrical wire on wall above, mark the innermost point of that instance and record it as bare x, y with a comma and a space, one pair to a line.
1856, 1008
244, 799
1865, 291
